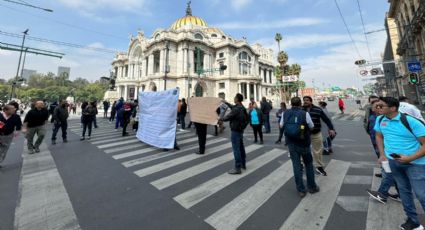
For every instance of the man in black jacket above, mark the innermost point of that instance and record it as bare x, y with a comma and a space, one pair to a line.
60, 117
34, 123
237, 117
317, 114
266, 107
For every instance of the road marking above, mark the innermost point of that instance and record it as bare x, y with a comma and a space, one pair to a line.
174, 162
233, 214
383, 216
205, 190
117, 143
355, 179
175, 178
353, 203
44, 202
156, 156
307, 215
114, 139
127, 147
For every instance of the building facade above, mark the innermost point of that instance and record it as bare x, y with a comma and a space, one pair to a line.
64, 71
172, 57
406, 32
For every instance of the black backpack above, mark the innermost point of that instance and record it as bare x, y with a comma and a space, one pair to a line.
243, 120
295, 124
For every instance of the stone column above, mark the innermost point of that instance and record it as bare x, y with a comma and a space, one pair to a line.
248, 89
240, 87
207, 63
191, 63
255, 92
143, 68
162, 61
125, 92
136, 92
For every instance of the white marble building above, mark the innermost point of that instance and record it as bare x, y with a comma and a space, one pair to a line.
168, 59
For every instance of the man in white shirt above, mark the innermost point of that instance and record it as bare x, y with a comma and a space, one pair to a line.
410, 109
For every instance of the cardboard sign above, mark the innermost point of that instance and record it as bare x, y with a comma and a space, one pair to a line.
203, 109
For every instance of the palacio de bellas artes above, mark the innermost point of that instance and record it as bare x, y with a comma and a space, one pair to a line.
198, 59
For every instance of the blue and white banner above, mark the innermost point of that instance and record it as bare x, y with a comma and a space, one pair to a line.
157, 118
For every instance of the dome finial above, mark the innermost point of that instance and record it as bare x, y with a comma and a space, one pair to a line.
188, 9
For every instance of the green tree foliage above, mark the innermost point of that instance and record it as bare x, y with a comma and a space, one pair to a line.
53, 88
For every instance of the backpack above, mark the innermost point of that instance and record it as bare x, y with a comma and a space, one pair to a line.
243, 121
295, 124
403, 119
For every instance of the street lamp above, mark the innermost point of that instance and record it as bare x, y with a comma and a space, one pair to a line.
19, 65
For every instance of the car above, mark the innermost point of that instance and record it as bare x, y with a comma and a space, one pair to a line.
331, 98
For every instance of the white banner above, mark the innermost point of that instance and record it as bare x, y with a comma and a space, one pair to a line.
290, 78
157, 119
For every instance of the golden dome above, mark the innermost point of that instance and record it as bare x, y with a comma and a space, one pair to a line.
188, 20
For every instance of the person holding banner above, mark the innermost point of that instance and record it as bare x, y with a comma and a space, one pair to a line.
238, 118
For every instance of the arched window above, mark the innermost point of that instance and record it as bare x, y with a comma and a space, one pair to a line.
244, 63
157, 36
213, 35
199, 37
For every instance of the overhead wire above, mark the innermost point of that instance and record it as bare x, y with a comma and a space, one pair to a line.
364, 29
65, 23
73, 45
348, 30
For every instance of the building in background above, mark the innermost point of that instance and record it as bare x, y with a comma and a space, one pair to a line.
407, 44
171, 58
64, 71
27, 73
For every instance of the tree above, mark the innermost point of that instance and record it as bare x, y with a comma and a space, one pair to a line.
278, 38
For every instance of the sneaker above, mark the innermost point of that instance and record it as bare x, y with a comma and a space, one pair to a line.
331, 151
326, 152
394, 197
30, 151
410, 225
277, 142
321, 171
177, 148
65, 141
314, 190
261, 142
302, 194
88, 138
378, 175
36, 149
234, 171
377, 196
243, 167
82, 138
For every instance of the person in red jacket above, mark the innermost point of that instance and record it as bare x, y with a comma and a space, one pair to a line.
341, 105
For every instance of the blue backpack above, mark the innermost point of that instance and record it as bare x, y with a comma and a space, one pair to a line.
295, 124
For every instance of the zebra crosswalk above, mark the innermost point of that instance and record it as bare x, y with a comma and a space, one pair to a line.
197, 181
357, 115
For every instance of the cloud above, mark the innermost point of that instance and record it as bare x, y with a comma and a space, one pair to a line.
238, 4
294, 22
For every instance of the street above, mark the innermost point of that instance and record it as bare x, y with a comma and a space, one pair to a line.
115, 182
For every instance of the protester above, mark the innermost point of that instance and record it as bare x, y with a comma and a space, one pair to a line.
327, 139
201, 131
113, 112
126, 117
34, 123
266, 107
401, 142
297, 125
238, 118
181, 114
9, 122
119, 111
94, 103
317, 115
74, 108
279, 116
341, 105
52, 109
60, 117
368, 110
88, 115
410, 109
256, 122
105, 108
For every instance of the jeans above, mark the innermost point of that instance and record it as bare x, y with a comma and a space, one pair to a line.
112, 117
61, 125
182, 122
87, 124
280, 134
304, 152
238, 149
409, 177
267, 122
257, 130
40, 131
327, 143
386, 183
119, 122
94, 122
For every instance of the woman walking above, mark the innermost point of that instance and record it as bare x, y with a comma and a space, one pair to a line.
256, 121
279, 115
87, 118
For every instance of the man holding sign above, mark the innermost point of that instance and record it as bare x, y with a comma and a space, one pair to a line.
202, 113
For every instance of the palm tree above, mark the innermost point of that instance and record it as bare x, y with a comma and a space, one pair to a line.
282, 58
296, 70
278, 38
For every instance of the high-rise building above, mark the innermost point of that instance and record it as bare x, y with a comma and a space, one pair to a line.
62, 70
27, 73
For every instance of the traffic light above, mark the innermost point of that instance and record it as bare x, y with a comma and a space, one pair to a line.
413, 78
360, 62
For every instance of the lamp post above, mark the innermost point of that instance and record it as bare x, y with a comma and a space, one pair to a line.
19, 65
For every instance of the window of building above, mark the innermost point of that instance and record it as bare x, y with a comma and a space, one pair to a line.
224, 37
221, 55
199, 36
265, 75
244, 63
146, 67
156, 58
126, 71
195, 60
222, 96
221, 71
270, 76
213, 35
157, 36
222, 85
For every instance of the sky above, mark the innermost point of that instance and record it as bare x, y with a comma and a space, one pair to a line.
314, 34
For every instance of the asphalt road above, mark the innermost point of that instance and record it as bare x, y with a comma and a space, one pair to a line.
114, 182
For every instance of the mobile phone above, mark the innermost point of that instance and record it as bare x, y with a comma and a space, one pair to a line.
394, 155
